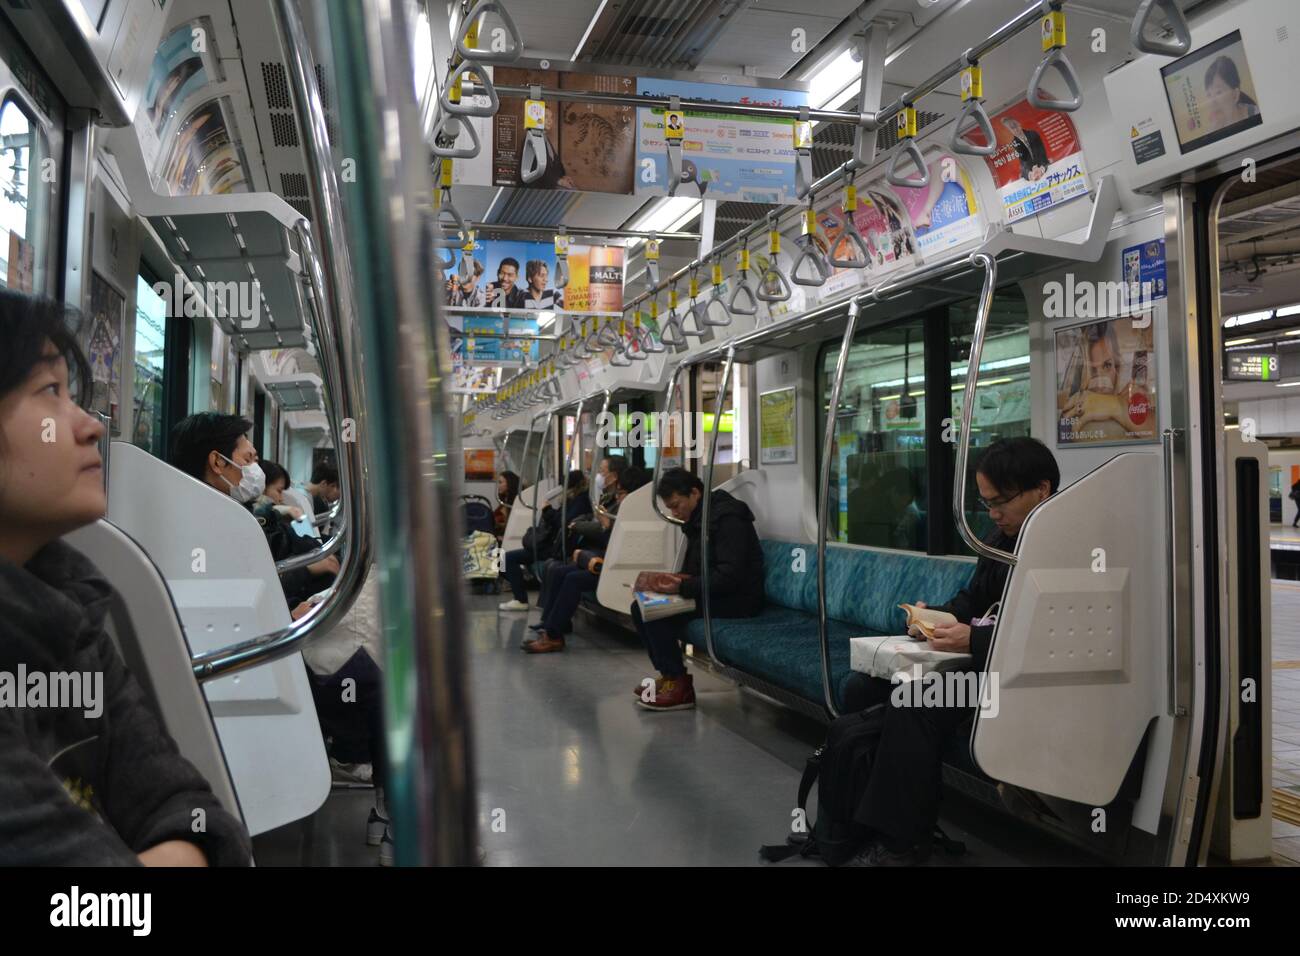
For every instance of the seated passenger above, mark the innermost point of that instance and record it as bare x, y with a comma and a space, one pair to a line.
735, 581
507, 493
901, 803
546, 547
324, 487
98, 781
215, 449
567, 582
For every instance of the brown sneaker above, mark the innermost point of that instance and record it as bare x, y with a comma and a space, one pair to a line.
674, 693
641, 687
545, 644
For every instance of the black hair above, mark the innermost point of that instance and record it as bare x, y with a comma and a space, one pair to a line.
617, 465
325, 473
633, 478
512, 487
198, 436
533, 267
577, 480
274, 472
28, 326
677, 481
1015, 465
1225, 68
509, 261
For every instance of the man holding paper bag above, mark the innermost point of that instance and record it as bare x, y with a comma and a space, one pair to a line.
901, 802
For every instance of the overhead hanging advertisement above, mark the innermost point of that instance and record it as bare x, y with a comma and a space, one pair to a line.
883, 223
724, 155
588, 146
1039, 160
483, 339
944, 214
469, 379
1105, 384
520, 275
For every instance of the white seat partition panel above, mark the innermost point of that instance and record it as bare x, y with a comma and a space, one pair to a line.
214, 557
1078, 653
751, 488
148, 634
521, 515
641, 541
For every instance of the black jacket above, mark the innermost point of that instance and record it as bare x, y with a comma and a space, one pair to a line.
284, 542
589, 533
548, 528
735, 558
983, 591
98, 790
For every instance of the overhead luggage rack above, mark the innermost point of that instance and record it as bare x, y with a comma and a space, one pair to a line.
295, 393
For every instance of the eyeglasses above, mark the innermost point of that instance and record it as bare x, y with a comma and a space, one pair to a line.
997, 504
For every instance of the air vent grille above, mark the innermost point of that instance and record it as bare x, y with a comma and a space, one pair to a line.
284, 131
293, 184
277, 86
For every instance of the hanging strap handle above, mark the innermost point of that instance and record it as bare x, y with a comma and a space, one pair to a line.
849, 205
907, 149
972, 95
803, 143
532, 162
742, 288
636, 350
561, 259
773, 270
674, 132
448, 131
652, 260
469, 35
715, 298
1053, 25
671, 333
467, 257
648, 342
811, 252
1182, 39
452, 100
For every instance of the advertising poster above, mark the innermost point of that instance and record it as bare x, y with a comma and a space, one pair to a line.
945, 213
203, 158
467, 379
103, 347
724, 155
1105, 384
517, 275
480, 464
776, 427
483, 339
1144, 271
1039, 161
1211, 93
588, 146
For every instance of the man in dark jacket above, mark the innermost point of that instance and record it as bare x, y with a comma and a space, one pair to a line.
735, 581
1030, 150
566, 582
215, 449
901, 803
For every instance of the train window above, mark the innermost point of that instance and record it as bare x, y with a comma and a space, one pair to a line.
733, 434
23, 210
150, 367
879, 474
1003, 394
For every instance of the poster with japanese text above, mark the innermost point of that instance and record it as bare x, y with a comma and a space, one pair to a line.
1039, 160
520, 275
945, 213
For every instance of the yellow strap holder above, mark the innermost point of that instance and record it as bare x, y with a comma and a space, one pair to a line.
972, 84
850, 203
672, 298
695, 287
742, 260
774, 242
1053, 30
906, 123
716, 275
654, 309
809, 222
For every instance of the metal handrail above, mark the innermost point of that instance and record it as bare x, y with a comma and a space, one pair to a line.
338, 348
326, 517
705, 504
660, 441
564, 480
596, 507
537, 475
546, 413
823, 505
990, 265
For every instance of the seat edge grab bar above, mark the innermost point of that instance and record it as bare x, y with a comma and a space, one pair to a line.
661, 441
728, 363
596, 507
990, 266
336, 342
823, 506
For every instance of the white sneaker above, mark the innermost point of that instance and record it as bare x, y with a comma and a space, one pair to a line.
351, 772
513, 605
375, 828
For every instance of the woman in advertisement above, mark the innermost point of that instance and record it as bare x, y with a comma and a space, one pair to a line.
1100, 398
1228, 103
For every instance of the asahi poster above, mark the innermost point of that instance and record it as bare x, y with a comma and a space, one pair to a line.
1039, 160
520, 275
1105, 383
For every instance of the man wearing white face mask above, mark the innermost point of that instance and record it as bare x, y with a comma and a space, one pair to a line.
215, 449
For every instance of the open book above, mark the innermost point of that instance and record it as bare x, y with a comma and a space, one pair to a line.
656, 603
921, 621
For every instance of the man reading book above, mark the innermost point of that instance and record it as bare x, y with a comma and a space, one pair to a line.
735, 582
901, 803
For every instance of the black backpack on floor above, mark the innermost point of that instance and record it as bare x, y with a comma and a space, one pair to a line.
841, 768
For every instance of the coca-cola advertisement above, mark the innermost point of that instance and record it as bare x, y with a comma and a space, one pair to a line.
1105, 383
